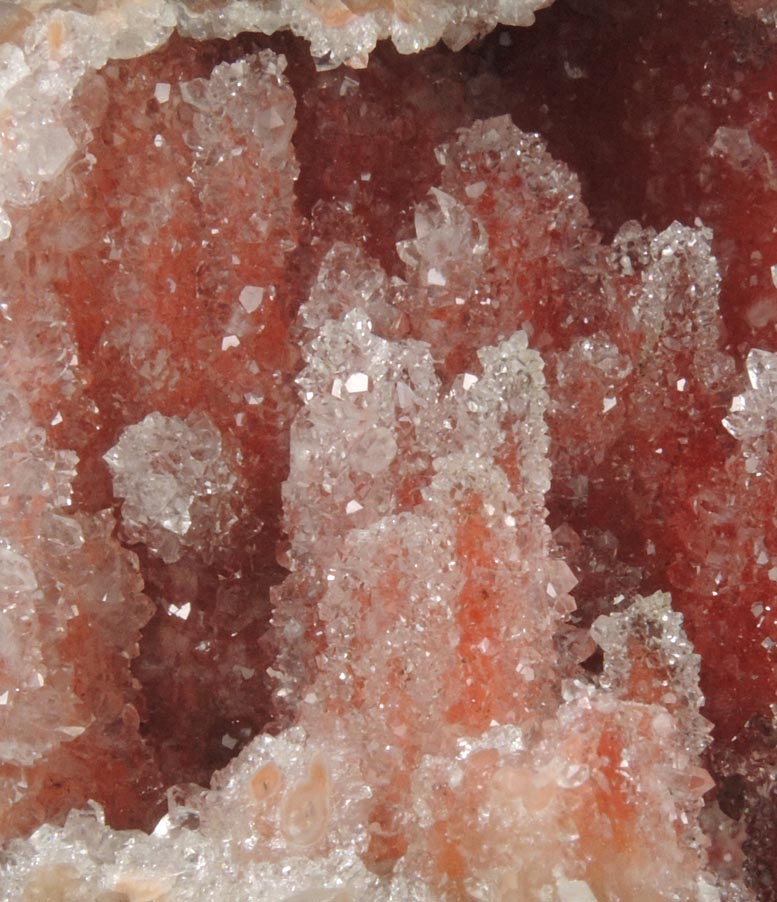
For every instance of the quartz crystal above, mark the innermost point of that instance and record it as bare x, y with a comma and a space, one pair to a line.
175, 487
388, 451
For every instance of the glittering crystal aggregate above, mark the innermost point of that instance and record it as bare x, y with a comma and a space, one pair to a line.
364, 507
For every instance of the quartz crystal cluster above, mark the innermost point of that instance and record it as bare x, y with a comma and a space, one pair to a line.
387, 509
174, 486
55, 47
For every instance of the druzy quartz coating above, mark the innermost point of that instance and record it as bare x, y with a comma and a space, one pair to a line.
388, 451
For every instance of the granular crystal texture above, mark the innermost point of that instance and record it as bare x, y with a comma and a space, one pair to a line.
387, 452
173, 483
72, 603
54, 48
441, 688
194, 496
348, 30
421, 633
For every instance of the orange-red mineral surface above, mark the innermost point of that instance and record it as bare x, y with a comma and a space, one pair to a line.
388, 448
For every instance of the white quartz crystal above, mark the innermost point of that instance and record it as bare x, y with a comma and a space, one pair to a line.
174, 482
348, 31
753, 415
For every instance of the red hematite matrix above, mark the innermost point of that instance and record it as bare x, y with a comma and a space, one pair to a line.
389, 452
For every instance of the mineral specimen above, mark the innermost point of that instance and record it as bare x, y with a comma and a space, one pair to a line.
387, 509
